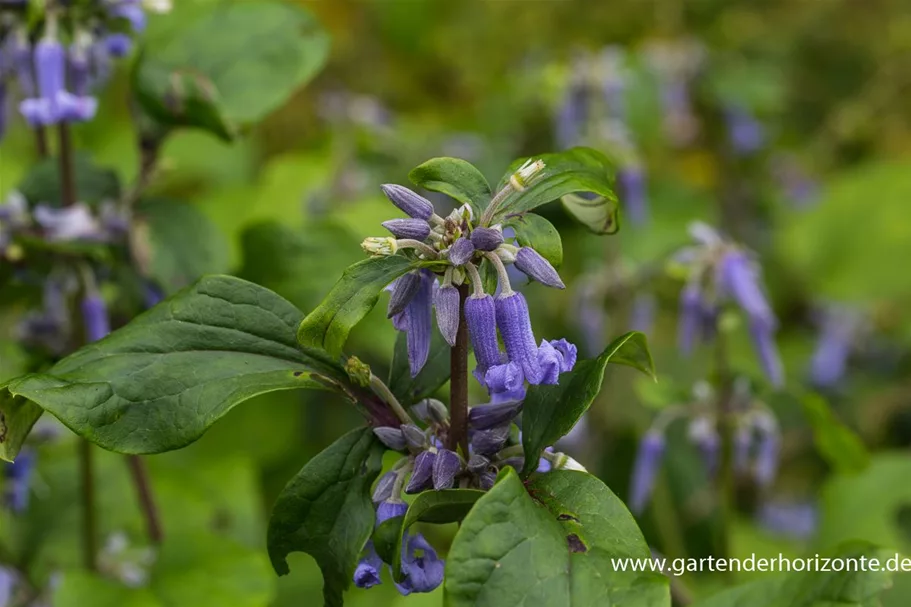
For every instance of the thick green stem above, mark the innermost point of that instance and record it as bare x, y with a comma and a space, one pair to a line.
458, 383
89, 518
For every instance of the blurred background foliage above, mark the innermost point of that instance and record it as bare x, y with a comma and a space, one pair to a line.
288, 201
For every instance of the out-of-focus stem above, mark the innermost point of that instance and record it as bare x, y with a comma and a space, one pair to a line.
140, 475
89, 519
67, 170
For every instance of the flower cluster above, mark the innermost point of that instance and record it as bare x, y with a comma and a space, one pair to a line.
58, 67
595, 102
719, 272
455, 247
756, 441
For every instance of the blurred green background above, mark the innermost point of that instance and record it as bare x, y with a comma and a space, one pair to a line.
408, 80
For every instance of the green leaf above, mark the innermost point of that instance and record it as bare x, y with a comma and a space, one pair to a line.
512, 551
550, 412
600, 215
813, 588
349, 301
177, 243
93, 183
439, 507
536, 232
575, 170
230, 66
326, 511
17, 416
435, 373
386, 536
835, 442
455, 178
158, 383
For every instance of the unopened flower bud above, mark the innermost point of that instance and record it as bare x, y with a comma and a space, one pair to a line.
477, 463
532, 263
414, 436
385, 486
486, 480
411, 203
446, 301
483, 417
416, 229
391, 437
403, 291
446, 466
422, 476
358, 371
95, 316
526, 173
461, 252
379, 245
486, 239
488, 442
437, 411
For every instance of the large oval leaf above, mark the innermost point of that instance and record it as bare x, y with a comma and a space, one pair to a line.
556, 544
158, 383
326, 511
550, 412
231, 66
456, 178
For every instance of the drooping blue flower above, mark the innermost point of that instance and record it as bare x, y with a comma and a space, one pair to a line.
515, 326
50, 68
8, 580
18, 479
480, 315
446, 301
78, 106
95, 317
390, 508
798, 520
555, 357
367, 572
645, 470
689, 320
833, 347
416, 321
132, 11
421, 566
403, 291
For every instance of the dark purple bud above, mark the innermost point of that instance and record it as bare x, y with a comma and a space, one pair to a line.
414, 436
367, 572
530, 261
764, 341
422, 476
393, 438
486, 480
486, 239
445, 468
384, 487
488, 442
648, 461
390, 509
631, 179
95, 316
446, 300
518, 337
431, 411
484, 417
424, 572
690, 317
460, 252
403, 291
409, 202
18, 478
480, 315
416, 229
477, 463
